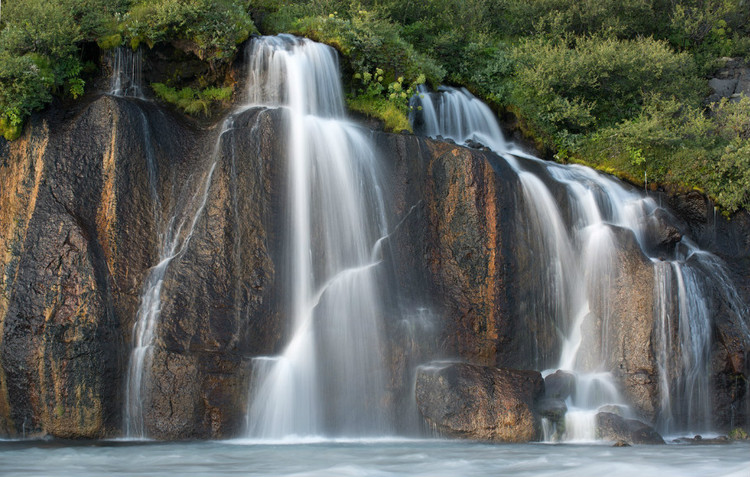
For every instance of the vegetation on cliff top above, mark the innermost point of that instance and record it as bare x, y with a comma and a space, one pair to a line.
617, 85
45, 44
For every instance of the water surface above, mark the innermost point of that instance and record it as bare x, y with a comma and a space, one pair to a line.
428, 458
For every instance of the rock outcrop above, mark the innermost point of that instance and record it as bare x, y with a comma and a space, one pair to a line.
731, 81
611, 427
87, 198
480, 402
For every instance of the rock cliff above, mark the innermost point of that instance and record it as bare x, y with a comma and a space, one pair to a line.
83, 202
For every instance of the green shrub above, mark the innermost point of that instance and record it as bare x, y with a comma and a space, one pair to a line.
386, 101
369, 42
597, 82
25, 84
558, 18
213, 27
191, 101
673, 143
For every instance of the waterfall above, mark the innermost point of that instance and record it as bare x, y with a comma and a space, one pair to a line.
127, 67
574, 252
455, 114
329, 379
174, 236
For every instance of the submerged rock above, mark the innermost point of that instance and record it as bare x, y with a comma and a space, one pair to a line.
480, 402
611, 427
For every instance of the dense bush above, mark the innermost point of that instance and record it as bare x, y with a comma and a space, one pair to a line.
673, 143
192, 101
596, 82
41, 40
618, 85
384, 67
213, 27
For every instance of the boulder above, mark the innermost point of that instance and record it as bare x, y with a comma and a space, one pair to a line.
559, 384
611, 427
623, 319
480, 402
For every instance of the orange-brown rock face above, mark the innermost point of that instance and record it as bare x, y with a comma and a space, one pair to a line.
80, 212
450, 252
59, 332
480, 402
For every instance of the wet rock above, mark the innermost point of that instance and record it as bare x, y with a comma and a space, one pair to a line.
700, 440
622, 319
613, 409
72, 208
693, 207
80, 220
612, 427
451, 253
552, 408
661, 234
559, 384
475, 144
478, 402
621, 444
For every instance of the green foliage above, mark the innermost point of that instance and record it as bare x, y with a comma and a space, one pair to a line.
738, 434
25, 84
560, 18
191, 101
214, 27
674, 143
40, 43
393, 118
597, 82
368, 42
386, 101
39, 53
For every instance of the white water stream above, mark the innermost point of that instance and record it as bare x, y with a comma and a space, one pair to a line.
329, 379
127, 66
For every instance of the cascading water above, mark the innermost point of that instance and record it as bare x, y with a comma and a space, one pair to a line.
329, 378
126, 76
575, 254
173, 238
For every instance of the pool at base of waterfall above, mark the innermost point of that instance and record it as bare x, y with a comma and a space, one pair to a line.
381, 457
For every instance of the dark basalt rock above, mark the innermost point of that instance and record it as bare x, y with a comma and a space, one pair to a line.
79, 235
552, 408
479, 402
661, 234
612, 427
559, 385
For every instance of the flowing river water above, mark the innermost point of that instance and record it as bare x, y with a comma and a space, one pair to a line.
377, 458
